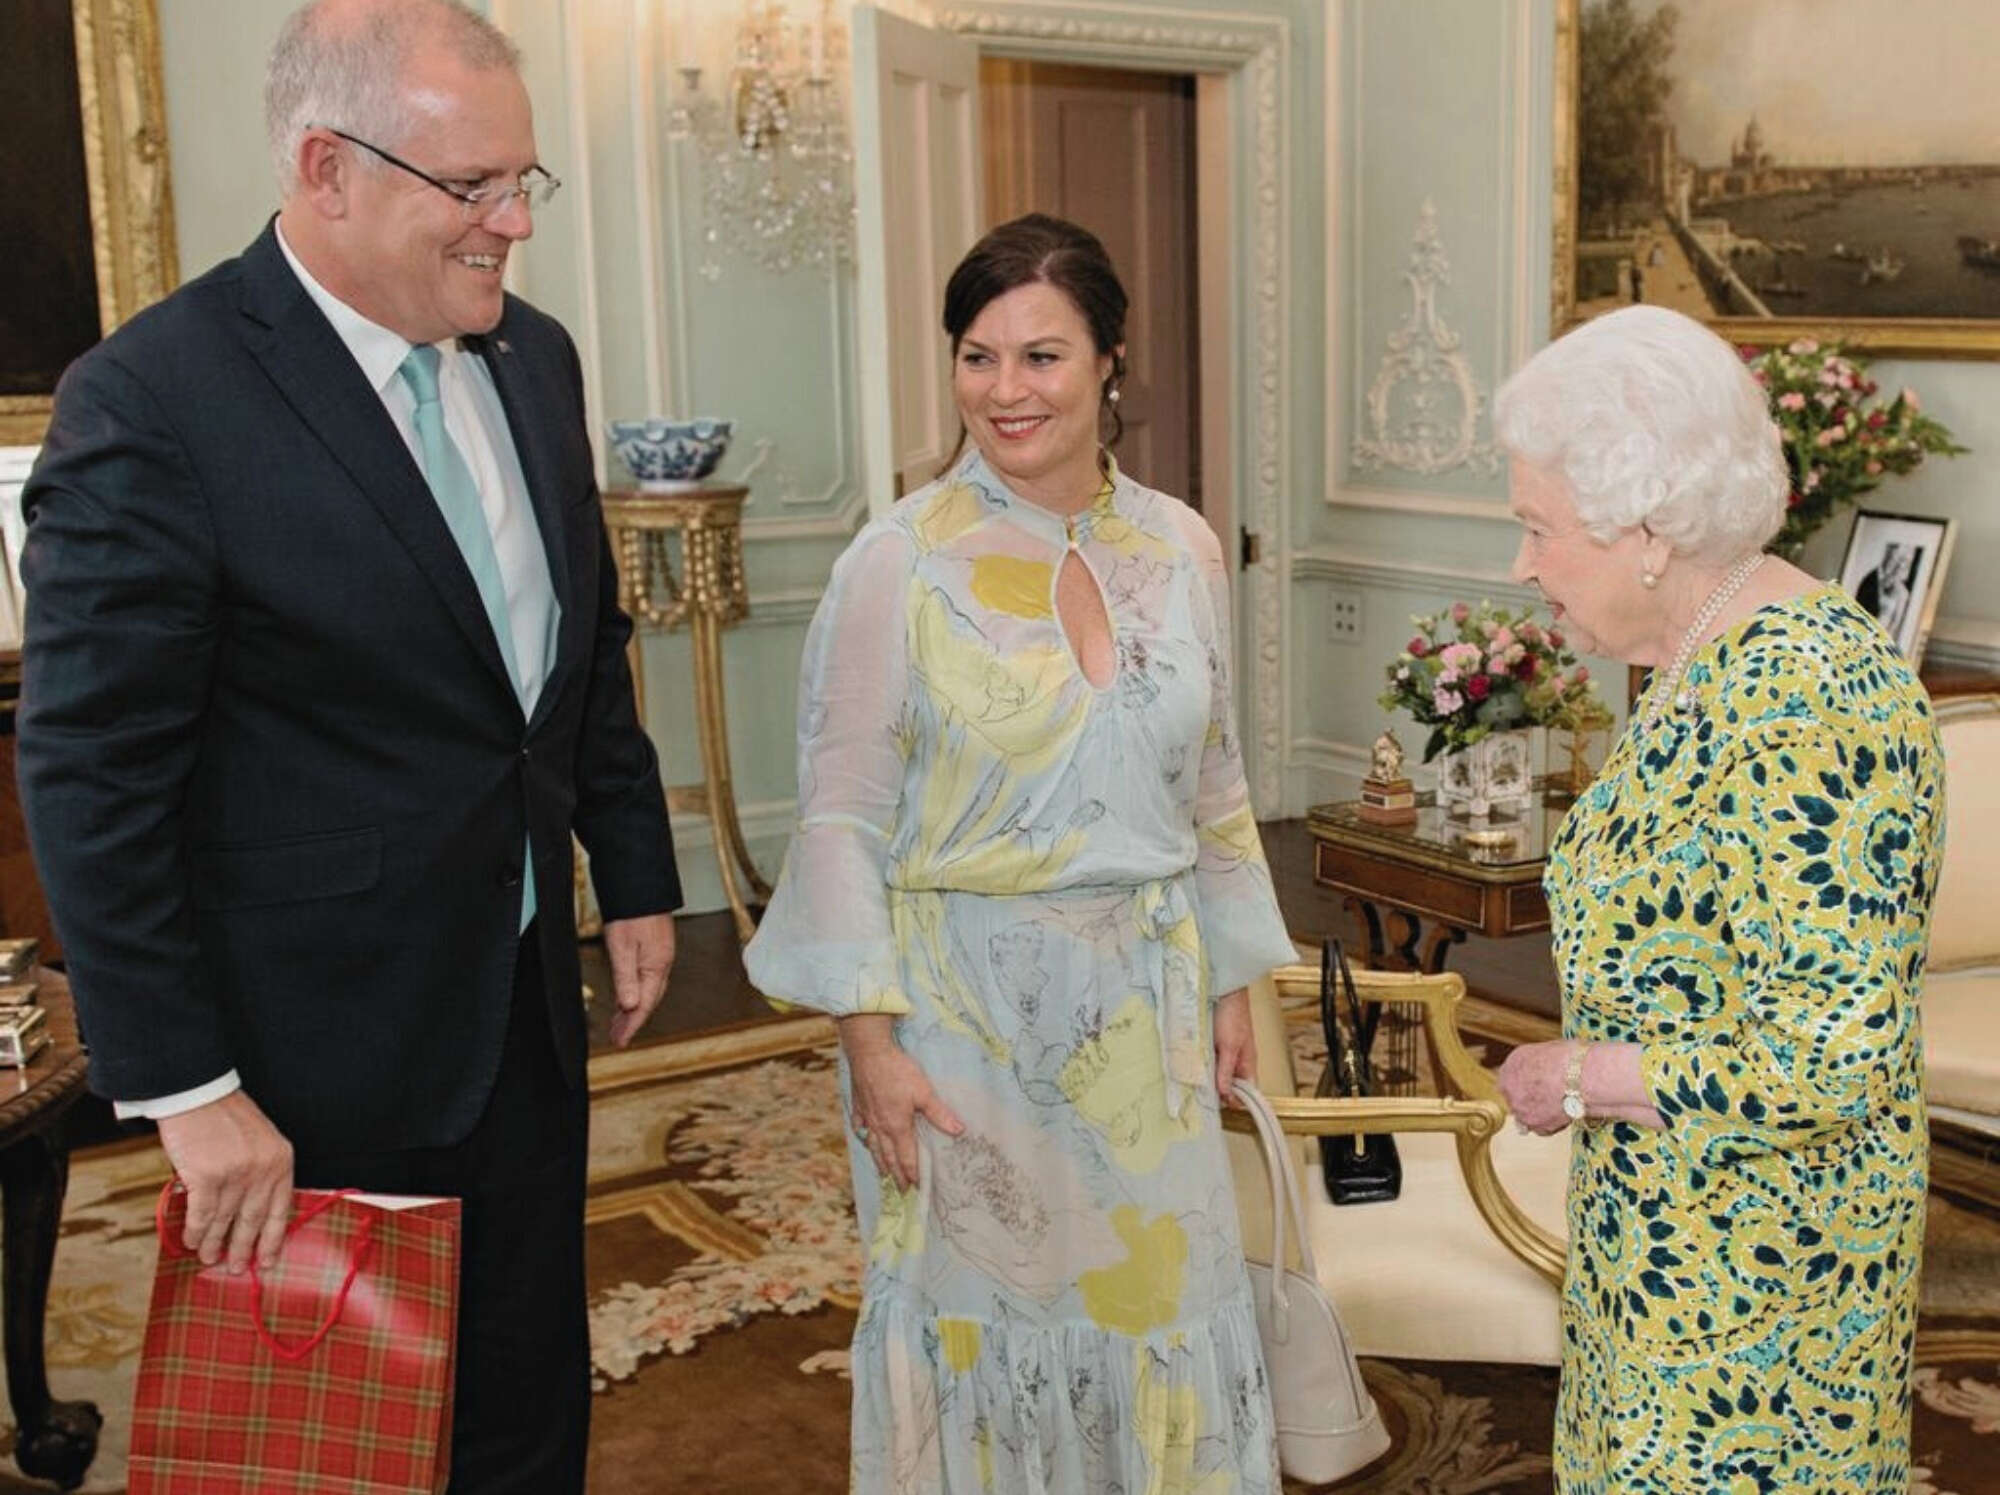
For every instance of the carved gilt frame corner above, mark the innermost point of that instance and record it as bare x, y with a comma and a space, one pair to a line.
124, 131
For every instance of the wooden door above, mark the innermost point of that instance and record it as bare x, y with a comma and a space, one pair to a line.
1114, 152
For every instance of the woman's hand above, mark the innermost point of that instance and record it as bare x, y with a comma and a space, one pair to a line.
1531, 1081
1613, 1088
890, 1091
1235, 1044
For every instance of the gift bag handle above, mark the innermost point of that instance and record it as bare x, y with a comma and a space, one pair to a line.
1286, 1198
364, 1238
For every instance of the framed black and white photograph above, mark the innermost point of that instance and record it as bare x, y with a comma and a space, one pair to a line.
1894, 567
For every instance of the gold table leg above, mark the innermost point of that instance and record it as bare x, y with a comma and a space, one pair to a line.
717, 794
709, 596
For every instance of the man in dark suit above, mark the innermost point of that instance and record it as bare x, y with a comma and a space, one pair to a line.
324, 663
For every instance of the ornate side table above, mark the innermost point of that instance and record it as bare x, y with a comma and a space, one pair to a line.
707, 593
56, 1440
1453, 876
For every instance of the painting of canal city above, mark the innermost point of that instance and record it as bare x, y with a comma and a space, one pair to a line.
1786, 166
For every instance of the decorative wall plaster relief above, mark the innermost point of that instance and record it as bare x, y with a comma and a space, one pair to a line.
1424, 406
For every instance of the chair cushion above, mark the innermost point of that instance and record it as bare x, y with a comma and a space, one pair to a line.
1963, 930
1424, 1277
1962, 1040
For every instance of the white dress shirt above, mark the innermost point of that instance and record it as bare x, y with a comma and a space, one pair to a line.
476, 421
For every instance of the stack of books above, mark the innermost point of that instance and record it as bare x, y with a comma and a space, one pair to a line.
24, 1025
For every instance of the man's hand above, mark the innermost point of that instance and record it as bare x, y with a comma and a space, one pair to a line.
237, 1169
1235, 1045
641, 952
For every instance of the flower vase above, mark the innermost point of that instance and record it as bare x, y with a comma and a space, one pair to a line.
1492, 774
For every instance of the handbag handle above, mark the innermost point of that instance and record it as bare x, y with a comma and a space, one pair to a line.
1286, 1199
364, 1239
1365, 1020
1346, 1064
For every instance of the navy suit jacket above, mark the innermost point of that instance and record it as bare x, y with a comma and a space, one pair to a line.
276, 778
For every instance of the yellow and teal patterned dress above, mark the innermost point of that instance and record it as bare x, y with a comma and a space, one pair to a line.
1047, 883
1746, 893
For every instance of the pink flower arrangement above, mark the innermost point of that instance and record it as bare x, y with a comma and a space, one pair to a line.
1468, 672
1837, 445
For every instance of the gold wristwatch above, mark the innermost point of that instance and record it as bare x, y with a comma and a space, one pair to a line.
1572, 1102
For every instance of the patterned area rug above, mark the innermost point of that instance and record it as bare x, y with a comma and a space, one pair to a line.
725, 1273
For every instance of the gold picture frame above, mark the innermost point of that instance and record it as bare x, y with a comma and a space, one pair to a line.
123, 127
1914, 337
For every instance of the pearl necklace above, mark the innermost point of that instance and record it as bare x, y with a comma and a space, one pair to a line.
1665, 686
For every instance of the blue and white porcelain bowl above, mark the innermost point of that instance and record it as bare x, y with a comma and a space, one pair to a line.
669, 451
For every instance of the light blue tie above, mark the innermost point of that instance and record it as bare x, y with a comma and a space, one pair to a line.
458, 500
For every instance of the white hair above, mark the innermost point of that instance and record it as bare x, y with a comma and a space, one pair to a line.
1652, 419
347, 71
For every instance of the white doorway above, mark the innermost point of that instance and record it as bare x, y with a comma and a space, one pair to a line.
1242, 392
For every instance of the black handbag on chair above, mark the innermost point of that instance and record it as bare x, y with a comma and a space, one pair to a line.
1361, 1169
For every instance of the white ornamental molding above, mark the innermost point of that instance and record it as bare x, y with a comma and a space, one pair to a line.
1050, 30
1268, 404
1425, 404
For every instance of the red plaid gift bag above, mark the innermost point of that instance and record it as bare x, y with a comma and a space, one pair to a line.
330, 1372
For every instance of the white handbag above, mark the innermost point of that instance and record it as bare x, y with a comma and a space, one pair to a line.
1328, 1424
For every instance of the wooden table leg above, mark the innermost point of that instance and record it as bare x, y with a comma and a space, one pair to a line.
1369, 917
1438, 946
55, 1440
1409, 930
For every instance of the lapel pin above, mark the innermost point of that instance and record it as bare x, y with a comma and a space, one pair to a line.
503, 345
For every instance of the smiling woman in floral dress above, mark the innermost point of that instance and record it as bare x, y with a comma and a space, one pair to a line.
1027, 880
1739, 905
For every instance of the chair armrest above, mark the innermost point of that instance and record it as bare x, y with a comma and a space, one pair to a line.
1348, 1116
1472, 1109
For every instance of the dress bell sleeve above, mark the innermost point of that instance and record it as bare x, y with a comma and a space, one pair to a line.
1242, 932
1824, 863
825, 940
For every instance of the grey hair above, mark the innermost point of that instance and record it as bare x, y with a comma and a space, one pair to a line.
1652, 419
348, 72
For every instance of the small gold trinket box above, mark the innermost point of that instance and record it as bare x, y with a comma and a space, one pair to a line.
17, 958
24, 1032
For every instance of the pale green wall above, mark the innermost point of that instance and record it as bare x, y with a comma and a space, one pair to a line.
213, 52
1452, 100
1445, 100
614, 258
772, 354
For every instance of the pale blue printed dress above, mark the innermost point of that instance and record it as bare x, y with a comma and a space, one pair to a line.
1045, 882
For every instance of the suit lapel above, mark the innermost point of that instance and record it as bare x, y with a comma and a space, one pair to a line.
541, 466
309, 364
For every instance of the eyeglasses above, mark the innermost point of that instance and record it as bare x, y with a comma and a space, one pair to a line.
480, 200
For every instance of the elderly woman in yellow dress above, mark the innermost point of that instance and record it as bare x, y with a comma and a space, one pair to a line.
1740, 906
1027, 882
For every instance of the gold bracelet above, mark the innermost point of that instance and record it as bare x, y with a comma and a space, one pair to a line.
1573, 1103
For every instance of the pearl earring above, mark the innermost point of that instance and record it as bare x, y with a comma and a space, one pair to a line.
1648, 580
1113, 397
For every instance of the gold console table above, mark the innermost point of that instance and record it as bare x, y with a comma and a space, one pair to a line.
708, 594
